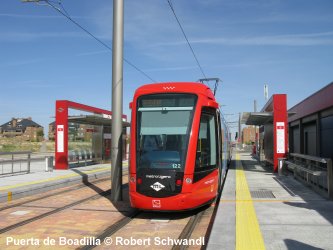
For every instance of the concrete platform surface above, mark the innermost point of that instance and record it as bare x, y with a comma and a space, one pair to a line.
21, 185
261, 210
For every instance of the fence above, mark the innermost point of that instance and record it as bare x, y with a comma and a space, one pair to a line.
315, 171
20, 162
15, 162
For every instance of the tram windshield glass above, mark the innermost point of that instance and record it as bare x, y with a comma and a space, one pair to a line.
163, 125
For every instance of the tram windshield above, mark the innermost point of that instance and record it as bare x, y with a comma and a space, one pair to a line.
163, 125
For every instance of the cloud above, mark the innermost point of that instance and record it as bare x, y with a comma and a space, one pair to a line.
219, 66
27, 16
31, 36
145, 22
20, 16
98, 52
324, 38
30, 84
171, 69
21, 62
284, 18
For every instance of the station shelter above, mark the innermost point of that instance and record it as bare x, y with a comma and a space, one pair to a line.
311, 126
95, 121
273, 129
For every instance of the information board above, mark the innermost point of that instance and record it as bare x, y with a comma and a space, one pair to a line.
280, 137
60, 138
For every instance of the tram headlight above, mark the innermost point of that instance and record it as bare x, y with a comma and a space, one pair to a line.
188, 180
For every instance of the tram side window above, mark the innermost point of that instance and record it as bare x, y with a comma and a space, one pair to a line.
206, 145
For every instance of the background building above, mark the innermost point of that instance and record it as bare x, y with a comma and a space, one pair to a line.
22, 128
249, 134
76, 132
311, 126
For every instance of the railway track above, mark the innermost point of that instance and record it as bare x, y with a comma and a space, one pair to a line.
115, 227
111, 230
134, 214
180, 227
59, 209
188, 229
184, 236
80, 186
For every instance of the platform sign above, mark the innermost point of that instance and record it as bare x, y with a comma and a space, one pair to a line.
107, 116
280, 137
107, 136
60, 138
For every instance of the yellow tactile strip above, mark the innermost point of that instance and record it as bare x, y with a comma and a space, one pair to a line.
248, 234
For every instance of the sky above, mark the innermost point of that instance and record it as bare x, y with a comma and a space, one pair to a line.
44, 57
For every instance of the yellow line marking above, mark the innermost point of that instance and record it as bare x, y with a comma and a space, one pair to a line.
248, 234
259, 201
9, 197
56, 178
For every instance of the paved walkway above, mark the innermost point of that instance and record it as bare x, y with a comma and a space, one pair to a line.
261, 210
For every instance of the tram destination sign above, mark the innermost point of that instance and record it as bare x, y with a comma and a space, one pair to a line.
167, 100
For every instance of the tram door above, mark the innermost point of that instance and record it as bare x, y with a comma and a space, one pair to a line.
207, 153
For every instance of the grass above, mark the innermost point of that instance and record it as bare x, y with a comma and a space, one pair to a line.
15, 145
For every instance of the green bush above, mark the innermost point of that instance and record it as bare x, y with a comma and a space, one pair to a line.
8, 148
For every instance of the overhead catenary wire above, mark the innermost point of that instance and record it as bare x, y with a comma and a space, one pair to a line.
65, 14
188, 42
63, 8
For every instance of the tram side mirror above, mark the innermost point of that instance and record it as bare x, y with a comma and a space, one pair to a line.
213, 104
236, 136
130, 105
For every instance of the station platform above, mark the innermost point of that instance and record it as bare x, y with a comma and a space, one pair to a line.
258, 209
22, 185
262, 210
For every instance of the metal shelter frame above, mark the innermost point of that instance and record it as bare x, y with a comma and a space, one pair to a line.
273, 119
61, 128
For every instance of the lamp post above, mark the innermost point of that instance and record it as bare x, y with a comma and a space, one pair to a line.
117, 100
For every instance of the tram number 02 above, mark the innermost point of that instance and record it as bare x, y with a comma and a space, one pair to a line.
175, 165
